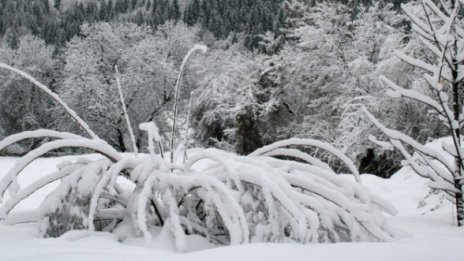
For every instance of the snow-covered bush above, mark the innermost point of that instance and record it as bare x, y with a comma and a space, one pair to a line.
224, 197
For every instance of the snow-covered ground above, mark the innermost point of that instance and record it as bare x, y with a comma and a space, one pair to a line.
424, 233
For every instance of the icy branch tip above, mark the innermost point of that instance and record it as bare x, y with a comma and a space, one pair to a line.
200, 47
148, 126
151, 129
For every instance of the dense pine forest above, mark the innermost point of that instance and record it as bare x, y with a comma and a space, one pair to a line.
275, 69
58, 21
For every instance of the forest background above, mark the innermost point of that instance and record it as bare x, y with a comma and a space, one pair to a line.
274, 70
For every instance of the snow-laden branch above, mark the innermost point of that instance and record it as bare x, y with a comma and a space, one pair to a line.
436, 10
312, 143
396, 137
55, 97
115, 169
99, 146
195, 48
432, 47
299, 155
15, 138
420, 64
412, 94
417, 21
36, 185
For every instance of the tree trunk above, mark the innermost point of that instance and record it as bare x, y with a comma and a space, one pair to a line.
459, 203
457, 159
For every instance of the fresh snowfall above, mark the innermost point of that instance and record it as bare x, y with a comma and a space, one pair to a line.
231, 130
424, 230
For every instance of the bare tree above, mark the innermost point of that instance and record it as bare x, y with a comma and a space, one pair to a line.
440, 29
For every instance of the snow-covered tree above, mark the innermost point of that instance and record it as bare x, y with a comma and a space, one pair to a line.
332, 65
312, 87
178, 38
21, 106
148, 78
148, 66
223, 80
439, 28
89, 76
240, 101
376, 32
270, 44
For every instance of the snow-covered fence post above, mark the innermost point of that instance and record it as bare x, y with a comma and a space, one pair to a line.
440, 30
197, 47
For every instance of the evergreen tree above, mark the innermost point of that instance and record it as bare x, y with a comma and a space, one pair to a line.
57, 4
174, 10
133, 4
192, 12
223, 17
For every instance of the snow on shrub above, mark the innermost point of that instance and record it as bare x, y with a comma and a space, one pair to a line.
224, 197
